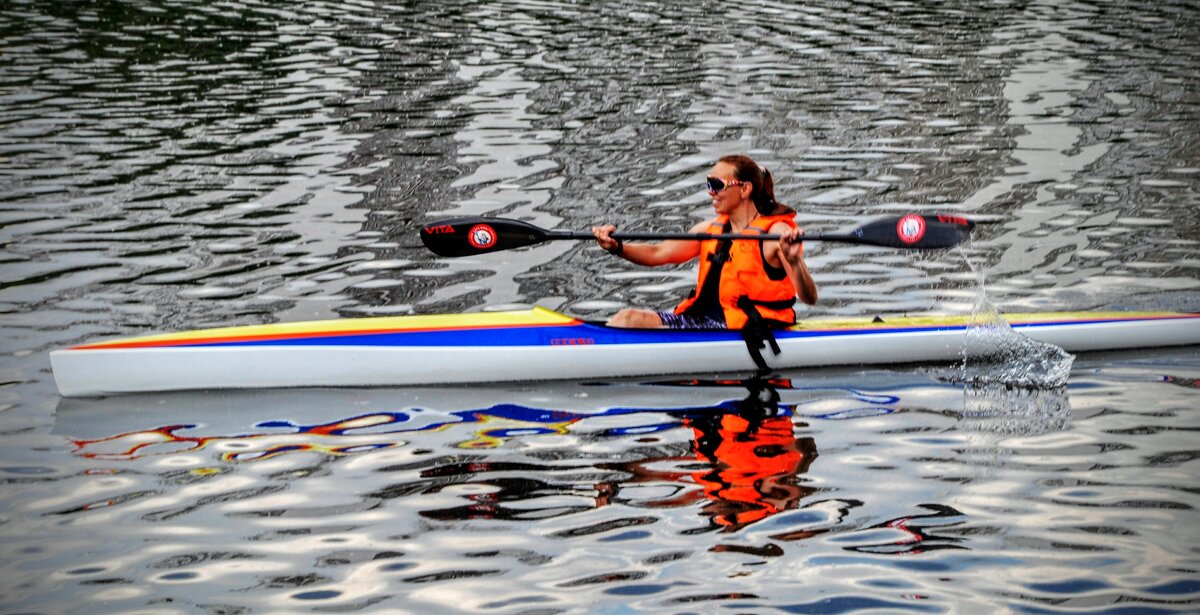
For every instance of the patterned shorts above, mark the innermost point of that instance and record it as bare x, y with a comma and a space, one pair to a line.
671, 320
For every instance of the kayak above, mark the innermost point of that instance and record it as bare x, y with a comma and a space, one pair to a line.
541, 344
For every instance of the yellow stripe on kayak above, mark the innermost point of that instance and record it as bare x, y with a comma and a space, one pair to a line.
892, 322
538, 316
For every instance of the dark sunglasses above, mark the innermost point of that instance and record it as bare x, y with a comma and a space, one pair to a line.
716, 184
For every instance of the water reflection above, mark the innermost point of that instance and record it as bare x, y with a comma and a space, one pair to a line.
917, 533
1015, 411
737, 457
743, 460
744, 465
752, 459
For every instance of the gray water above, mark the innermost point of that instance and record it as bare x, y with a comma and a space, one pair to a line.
172, 165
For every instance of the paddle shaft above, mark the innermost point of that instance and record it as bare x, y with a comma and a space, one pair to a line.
653, 236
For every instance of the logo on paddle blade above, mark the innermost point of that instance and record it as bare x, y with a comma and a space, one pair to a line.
482, 236
911, 228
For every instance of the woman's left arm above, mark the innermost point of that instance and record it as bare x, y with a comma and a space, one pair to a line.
790, 253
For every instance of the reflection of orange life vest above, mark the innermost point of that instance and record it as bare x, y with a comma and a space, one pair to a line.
755, 465
745, 275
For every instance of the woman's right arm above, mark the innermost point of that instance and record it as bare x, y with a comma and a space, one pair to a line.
671, 251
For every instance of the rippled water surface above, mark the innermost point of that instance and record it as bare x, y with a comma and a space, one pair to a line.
172, 165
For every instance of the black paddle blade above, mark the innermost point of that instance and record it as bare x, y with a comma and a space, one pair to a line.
471, 236
916, 231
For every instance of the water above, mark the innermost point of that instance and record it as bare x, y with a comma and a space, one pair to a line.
171, 165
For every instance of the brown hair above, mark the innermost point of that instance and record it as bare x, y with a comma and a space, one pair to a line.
763, 192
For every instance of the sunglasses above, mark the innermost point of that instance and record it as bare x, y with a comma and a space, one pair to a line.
716, 184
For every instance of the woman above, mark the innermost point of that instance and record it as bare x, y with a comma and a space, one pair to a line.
740, 281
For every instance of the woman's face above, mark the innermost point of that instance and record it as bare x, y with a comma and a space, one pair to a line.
732, 193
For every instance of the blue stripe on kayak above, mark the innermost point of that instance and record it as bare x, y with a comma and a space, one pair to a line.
577, 335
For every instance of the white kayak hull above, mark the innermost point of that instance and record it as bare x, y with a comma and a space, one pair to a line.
542, 345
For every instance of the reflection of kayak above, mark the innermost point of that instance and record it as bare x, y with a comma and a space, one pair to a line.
630, 404
540, 344
245, 426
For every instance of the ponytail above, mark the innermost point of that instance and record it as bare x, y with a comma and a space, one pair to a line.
763, 192
764, 197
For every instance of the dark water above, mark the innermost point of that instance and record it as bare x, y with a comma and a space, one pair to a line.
171, 165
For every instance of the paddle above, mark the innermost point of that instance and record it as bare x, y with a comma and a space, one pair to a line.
471, 236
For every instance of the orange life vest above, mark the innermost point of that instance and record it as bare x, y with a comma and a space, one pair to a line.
745, 275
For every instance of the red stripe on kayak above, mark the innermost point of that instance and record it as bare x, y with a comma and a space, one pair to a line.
293, 336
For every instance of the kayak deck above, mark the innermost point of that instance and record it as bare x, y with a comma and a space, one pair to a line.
541, 344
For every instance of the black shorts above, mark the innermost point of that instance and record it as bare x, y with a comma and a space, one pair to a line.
671, 320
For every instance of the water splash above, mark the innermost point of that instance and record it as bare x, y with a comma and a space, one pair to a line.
995, 354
